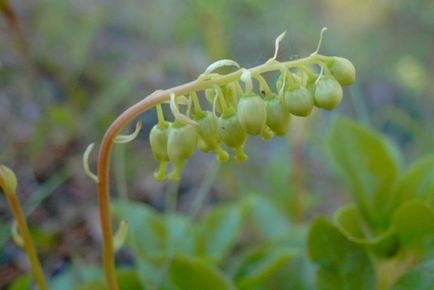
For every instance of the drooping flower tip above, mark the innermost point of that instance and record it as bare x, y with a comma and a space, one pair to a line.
8, 180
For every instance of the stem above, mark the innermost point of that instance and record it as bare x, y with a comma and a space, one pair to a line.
35, 265
263, 84
196, 103
160, 114
226, 110
131, 113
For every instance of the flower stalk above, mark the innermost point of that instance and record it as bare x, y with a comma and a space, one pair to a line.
156, 98
8, 184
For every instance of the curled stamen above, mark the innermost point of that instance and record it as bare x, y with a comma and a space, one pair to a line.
320, 40
86, 163
177, 114
220, 63
120, 236
16, 236
130, 137
276, 45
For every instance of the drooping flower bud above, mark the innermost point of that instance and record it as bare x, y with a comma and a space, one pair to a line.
298, 101
343, 70
181, 144
208, 136
252, 114
8, 180
232, 134
158, 139
278, 117
328, 93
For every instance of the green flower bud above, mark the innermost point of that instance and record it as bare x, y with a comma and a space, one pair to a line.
343, 70
8, 180
298, 101
208, 135
277, 116
328, 93
232, 134
252, 114
181, 144
158, 139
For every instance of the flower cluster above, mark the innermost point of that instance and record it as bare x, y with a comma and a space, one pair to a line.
237, 111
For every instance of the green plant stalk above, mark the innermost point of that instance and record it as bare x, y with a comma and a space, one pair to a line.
19, 216
134, 111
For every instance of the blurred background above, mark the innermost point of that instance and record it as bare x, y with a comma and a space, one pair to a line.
68, 68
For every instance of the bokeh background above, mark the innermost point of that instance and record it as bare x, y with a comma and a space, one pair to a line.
68, 68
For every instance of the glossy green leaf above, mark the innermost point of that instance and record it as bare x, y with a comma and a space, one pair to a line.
416, 183
342, 265
219, 231
191, 274
420, 278
367, 165
350, 223
261, 264
414, 223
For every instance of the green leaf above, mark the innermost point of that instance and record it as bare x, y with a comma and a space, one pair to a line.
127, 280
219, 231
76, 274
192, 274
261, 264
22, 283
179, 233
96, 284
267, 219
414, 223
350, 223
420, 278
326, 246
342, 265
146, 229
367, 165
416, 183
